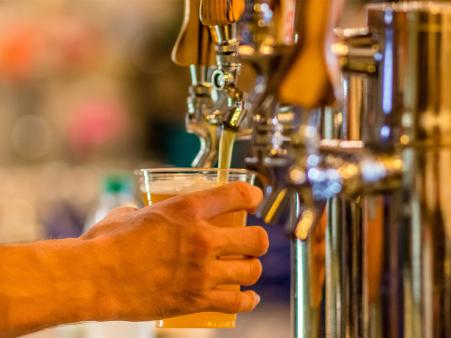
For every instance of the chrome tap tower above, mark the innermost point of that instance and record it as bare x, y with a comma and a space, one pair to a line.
352, 130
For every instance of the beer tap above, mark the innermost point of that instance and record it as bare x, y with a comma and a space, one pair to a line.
195, 49
387, 158
267, 34
276, 123
384, 168
221, 17
304, 79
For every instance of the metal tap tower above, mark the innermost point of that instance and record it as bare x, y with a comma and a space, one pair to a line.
365, 183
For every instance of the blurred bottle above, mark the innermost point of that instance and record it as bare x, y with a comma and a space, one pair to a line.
117, 191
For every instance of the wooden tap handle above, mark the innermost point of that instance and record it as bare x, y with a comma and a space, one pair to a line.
194, 44
311, 79
221, 12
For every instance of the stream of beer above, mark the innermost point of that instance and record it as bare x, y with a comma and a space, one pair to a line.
225, 153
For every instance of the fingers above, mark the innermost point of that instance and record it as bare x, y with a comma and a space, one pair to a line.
231, 197
243, 272
248, 241
233, 301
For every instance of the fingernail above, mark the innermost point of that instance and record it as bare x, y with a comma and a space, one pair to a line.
258, 298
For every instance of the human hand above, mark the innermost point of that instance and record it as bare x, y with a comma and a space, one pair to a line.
162, 261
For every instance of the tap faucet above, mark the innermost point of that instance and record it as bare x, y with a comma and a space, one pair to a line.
403, 119
304, 75
194, 48
304, 80
365, 183
267, 35
221, 17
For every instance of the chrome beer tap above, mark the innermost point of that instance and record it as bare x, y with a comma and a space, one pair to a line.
285, 137
221, 17
389, 158
267, 35
365, 183
195, 49
407, 238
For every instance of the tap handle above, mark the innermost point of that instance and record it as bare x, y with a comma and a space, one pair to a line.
276, 205
313, 72
286, 22
194, 44
311, 222
221, 12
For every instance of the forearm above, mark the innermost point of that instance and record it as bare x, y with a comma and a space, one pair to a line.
49, 283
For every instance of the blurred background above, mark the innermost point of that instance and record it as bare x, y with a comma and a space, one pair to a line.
88, 93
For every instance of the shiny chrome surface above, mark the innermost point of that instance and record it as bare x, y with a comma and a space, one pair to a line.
308, 278
221, 16
200, 119
366, 187
194, 48
403, 287
357, 50
267, 37
408, 243
213, 98
387, 251
409, 102
344, 232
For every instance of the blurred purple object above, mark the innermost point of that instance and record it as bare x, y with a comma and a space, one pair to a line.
63, 221
274, 284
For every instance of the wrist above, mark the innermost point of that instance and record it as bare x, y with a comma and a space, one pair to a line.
86, 288
73, 278
100, 265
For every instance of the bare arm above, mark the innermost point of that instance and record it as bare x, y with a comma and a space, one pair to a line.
136, 265
48, 283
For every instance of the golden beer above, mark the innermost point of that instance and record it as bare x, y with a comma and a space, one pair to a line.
226, 144
160, 184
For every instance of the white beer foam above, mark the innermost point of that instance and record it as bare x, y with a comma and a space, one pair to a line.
180, 185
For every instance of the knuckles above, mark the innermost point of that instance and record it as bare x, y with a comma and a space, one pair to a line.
186, 205
198, 248
198, 281
205, 281
201, 302
200, 243
244, 192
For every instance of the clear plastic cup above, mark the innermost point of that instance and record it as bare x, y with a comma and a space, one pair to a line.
157, 185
